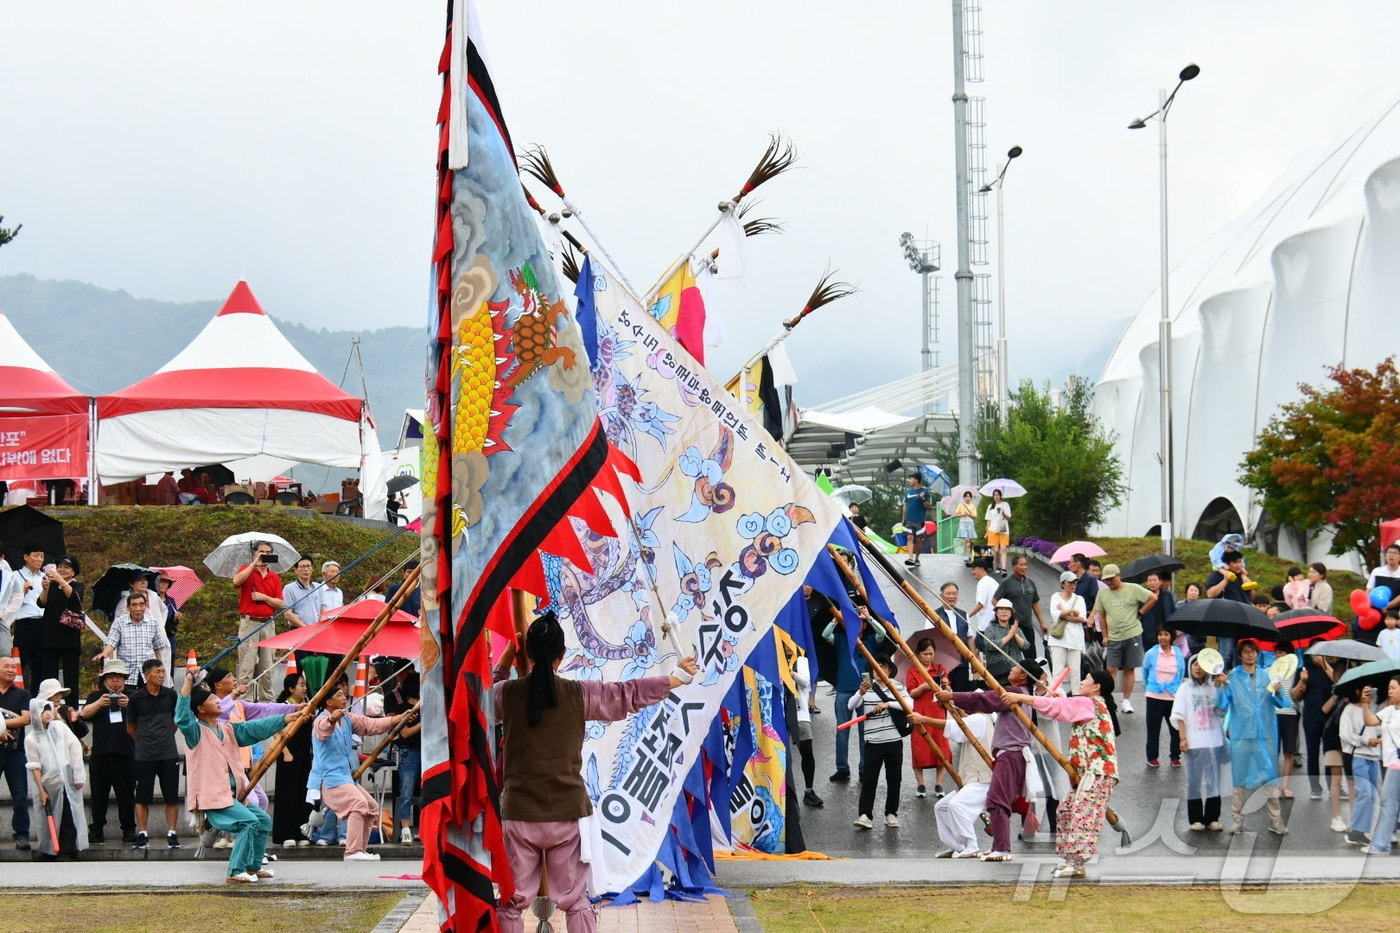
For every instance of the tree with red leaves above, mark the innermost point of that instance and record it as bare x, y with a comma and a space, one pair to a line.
1333, 458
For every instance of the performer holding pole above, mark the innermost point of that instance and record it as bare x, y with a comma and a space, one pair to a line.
542, 795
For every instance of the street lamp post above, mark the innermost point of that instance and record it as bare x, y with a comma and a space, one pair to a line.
999, 183
1164, 350
924, 259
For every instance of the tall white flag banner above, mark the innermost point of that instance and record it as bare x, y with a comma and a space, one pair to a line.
720, 532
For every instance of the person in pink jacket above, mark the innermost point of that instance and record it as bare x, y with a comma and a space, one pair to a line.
1093, 750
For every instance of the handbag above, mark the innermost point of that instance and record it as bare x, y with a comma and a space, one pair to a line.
73, 619
1057, 629
898, 717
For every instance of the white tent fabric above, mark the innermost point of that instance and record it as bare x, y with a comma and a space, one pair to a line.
239, 389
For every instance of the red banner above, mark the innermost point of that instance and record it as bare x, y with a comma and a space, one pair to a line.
43, 447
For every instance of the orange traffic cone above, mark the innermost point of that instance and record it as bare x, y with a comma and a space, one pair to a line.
361, 675
291, 663
192, 662
19, 669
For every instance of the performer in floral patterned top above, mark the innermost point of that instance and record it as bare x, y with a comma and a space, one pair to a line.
1093, 750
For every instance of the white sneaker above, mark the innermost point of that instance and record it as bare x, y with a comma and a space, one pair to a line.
362, 857
242, 877
322, 842
224, 843
406, 836
1339, 825
891, 821
1126, 706
862, 822
289, 844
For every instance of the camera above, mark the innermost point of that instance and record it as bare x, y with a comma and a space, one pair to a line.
269, 558
115, 697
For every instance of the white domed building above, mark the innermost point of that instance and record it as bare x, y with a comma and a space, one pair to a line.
1308, 277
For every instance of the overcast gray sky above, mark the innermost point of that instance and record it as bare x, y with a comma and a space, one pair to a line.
166, 148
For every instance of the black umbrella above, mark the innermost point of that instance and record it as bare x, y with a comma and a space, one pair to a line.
1223, 618
24, 526
1163, 564
401, 481
108, 588
219, 474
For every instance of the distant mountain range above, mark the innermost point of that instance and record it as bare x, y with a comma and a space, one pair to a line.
102, 340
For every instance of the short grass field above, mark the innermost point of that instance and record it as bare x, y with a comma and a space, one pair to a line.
160, 912
1077, 908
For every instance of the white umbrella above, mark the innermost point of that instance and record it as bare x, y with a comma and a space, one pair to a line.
853, 494
1008, 488
237, 550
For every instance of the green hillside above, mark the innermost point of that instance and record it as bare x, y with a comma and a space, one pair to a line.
159, 537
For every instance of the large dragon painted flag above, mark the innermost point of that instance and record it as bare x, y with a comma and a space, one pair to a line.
514, 455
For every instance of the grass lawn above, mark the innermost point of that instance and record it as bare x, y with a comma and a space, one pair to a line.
312, 912
1264, 568
1082, 909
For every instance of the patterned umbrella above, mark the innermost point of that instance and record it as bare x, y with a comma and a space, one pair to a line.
185, 582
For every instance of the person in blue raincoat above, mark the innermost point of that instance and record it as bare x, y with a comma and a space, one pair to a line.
1250, 699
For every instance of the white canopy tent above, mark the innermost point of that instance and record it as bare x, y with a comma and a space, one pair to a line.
239, 389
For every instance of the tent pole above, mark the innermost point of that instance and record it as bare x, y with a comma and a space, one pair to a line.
93, 493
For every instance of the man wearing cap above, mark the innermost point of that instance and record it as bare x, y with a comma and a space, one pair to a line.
111, 769
136, 638
1025, 600
1250, 698
259, 599
1123, 605
1011, 742
14, 706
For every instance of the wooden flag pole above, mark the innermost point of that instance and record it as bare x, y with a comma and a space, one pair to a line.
982, 672
279, 741
388, 738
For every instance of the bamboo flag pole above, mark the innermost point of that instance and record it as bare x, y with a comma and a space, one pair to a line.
279, 741
825, 293
388, 738
884, 678
982, 671
853, 580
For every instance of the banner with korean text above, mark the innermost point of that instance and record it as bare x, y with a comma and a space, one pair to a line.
719, 532
35, 447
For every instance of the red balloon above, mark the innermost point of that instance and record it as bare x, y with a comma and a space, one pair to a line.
1360, 602
1370, 618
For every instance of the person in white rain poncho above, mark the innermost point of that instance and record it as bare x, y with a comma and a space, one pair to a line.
54, 757
1197, 721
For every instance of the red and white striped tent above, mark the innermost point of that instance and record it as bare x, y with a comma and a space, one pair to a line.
43, 420
238, 389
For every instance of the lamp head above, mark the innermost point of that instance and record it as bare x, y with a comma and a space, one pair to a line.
1137, 124
984, 189
1189, 72
1014, 152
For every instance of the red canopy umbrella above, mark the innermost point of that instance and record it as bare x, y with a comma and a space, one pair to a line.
339, 629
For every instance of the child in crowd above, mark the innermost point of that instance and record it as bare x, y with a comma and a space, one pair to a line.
883, 748
1389, 639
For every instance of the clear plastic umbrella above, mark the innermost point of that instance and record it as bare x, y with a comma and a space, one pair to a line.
236, 550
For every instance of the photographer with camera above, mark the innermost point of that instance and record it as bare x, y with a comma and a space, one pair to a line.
111, 768
259, 599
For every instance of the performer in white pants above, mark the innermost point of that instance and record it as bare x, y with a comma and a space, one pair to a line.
957, 814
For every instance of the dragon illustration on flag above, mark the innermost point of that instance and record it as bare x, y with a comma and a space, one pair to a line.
514, 457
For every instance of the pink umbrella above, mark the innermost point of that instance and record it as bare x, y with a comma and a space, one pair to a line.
944, 653
1066, 551
339, 629
185, 583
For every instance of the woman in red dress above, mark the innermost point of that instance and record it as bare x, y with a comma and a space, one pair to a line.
927, 704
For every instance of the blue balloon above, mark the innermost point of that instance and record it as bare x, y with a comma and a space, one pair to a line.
1381, 596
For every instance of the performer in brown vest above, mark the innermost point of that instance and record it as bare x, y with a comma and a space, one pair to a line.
543, 795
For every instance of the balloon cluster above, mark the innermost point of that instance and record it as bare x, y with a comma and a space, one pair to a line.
1368, 606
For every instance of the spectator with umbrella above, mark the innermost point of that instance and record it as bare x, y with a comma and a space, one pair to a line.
1250, 697
1387, 719
1323, 664
61, 627
397, 501
259, 600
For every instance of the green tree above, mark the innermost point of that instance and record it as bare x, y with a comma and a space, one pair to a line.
1333, 458
1058, 452
7, 234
